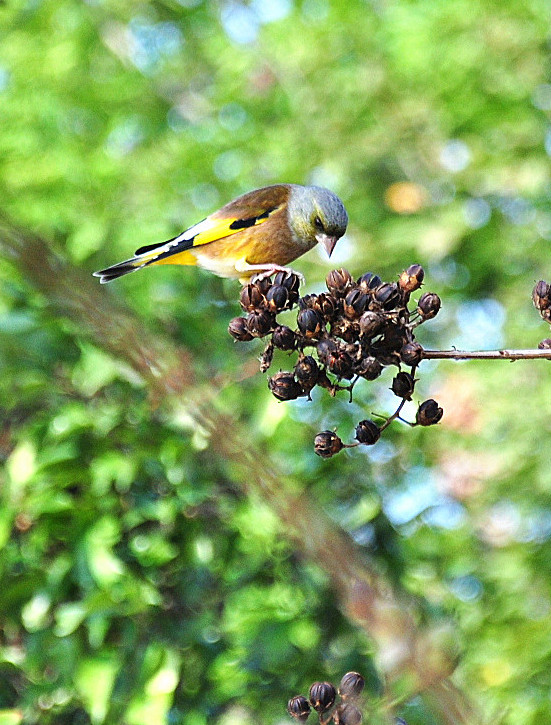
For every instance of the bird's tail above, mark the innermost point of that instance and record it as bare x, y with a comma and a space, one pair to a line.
120, 269
163, 253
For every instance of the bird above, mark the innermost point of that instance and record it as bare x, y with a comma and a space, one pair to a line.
256, 234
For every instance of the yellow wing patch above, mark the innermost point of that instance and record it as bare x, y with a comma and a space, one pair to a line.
185, 257
225, 227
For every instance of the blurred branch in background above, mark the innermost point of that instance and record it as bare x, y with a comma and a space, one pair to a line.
412, 658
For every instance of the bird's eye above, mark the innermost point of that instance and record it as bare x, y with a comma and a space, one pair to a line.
318, 224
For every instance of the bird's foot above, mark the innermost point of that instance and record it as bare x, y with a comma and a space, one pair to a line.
272, 269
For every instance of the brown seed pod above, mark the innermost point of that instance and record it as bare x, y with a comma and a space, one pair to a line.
310, 323
284, 338
292, 282
341, 364
307, 372
403, 385
326, 305
412, 278
347, 330
369, 368
262, 284
326, 445
429, 413
325, 348
541, 295
283, 386
347, 714
369, 282
238, 329
339, 281
367, 432
371, 323
277, 298
322, 696
299, 708
308, 301
259, 323
355, 303
388, 296
251, 298
429, 305
411, 353
352, 683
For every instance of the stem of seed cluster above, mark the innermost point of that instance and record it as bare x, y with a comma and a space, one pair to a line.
394, 416
486, 354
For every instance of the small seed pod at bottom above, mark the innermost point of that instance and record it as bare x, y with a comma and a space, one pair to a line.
429, 413
299, 708
352, 685
238, 329
322, 696
367, 432
327, 444
283, 386
347, 714
403, 385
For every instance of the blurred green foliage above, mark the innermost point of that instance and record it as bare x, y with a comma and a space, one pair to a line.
137, 585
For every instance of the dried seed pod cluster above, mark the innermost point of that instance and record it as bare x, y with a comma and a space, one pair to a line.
351, 332
332, 705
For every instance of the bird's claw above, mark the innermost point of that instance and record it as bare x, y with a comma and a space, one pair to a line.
273, 270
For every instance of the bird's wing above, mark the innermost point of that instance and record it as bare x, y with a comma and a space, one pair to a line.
246, 211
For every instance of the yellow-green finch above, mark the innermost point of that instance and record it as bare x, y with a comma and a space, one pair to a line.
257, 233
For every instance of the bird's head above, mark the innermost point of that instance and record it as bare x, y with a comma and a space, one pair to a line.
317, 215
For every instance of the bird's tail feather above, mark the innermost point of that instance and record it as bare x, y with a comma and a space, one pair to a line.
170, 252
118, 270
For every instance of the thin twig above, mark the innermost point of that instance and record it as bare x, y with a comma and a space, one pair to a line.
486, 354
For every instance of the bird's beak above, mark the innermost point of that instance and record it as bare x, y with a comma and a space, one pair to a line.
328, 242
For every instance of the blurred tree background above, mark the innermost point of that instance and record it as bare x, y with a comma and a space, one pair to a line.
150, 568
